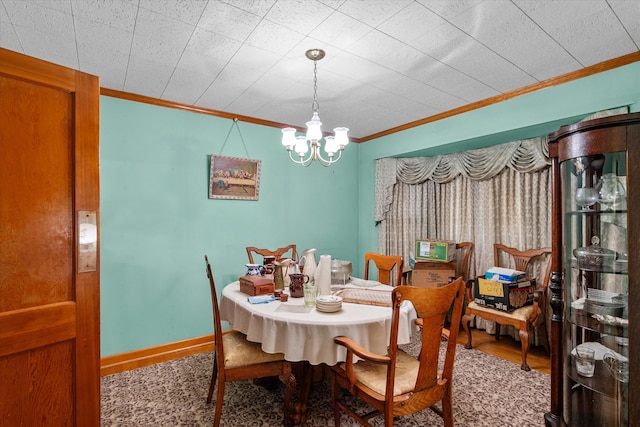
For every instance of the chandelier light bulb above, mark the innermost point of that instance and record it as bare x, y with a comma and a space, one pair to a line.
341, 137
330, 145
301, 146
314, 131
288, 137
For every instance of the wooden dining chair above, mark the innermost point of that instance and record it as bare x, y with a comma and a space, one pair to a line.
385, 265
526, 318
397, 383
278, 253
463, 256
235, 358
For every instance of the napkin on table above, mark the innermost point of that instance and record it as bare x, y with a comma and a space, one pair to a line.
262, 299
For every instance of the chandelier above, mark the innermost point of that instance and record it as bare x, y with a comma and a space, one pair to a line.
332, 144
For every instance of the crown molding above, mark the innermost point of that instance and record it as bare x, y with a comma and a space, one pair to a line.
555, 81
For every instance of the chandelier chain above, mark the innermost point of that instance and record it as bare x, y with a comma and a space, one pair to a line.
315, 107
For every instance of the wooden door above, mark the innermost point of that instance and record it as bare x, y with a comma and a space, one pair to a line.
49, 269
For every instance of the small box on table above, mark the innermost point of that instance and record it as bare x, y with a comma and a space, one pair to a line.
432, 274
505, 275
503, 296
435, 250
256, 285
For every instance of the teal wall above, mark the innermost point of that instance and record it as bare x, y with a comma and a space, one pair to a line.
157, 221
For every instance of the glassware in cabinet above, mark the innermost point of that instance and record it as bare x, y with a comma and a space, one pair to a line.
594, 197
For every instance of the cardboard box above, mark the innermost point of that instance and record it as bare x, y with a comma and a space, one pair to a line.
435, 250
503, 296
506, 275
256, 285
432, 274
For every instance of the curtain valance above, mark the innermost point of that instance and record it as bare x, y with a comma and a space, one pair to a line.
523, 156
528, 155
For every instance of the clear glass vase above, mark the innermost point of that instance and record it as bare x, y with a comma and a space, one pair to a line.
610, 191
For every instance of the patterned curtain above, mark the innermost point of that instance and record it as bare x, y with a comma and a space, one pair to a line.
499, 194
512, 208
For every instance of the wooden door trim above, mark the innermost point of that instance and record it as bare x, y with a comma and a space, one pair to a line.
87, 198
17, 65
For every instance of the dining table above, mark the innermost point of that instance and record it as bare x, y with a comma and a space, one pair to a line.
305, 334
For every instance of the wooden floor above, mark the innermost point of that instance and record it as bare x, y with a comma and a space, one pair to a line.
507, 348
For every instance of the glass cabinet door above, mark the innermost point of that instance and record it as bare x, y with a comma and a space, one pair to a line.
594, 216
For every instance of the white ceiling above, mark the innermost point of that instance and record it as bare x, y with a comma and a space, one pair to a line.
388, 63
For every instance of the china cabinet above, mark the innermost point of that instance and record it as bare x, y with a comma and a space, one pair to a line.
596, 169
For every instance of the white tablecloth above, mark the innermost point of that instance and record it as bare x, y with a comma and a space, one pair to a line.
303, 333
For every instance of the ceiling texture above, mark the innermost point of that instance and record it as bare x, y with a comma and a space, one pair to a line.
388, 62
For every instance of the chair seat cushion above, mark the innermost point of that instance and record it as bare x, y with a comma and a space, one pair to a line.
240, 352
374, 375
521, 314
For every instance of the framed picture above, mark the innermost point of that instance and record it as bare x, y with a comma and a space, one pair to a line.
234, 178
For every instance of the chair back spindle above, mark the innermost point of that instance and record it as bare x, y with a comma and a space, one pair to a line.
278, 253
217, 323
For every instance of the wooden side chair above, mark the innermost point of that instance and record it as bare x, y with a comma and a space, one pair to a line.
526, 318
278, 253
235, 359
464, 251
398, 384
384, 264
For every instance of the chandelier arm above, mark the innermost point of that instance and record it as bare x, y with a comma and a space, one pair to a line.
327, 162
315, 154
306, 162
335, 159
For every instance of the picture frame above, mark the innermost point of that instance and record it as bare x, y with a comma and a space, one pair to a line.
234, 178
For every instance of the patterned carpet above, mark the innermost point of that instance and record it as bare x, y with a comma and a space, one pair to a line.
488, 392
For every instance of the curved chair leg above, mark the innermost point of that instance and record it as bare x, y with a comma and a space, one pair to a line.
388, 418
447, 408
219, 401
544, 337
335, 391
289, 381
466, 320
524, 339
214, 374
